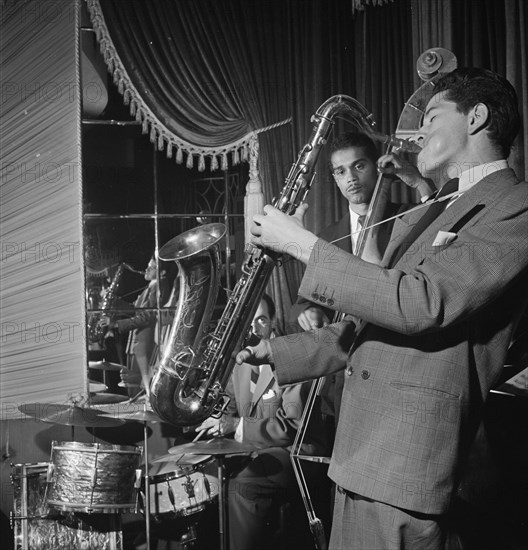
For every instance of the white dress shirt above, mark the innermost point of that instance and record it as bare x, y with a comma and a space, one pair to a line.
355, 227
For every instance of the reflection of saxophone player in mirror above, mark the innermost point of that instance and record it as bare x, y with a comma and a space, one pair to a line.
141, 327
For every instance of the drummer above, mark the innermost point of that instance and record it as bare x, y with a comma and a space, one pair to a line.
267, 416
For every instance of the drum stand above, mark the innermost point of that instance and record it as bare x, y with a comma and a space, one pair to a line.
146, 500
222, 515
219, 447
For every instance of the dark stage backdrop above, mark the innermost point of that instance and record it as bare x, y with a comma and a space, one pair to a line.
212, 71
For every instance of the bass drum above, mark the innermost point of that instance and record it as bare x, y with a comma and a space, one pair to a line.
37, 527
93, 478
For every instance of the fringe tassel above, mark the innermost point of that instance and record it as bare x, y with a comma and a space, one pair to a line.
144, 126
179, 155
235, 157
214, 163
153, 134
169, 150
224, 161
189, 163
109, 60
161, 143
201, 164
245, 152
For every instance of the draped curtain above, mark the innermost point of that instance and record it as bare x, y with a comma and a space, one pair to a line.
216, 71
213, 72
487, 34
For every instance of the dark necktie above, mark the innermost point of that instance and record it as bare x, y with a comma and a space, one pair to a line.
358, 236
425, 221
255, 372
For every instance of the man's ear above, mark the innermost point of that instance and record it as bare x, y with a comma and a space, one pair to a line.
478, 118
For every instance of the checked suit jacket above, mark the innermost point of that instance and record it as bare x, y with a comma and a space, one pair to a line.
333, 387
435, 332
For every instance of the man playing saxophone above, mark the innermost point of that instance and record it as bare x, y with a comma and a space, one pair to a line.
353, 158
437, 317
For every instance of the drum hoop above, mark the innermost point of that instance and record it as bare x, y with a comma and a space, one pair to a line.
98, 448
113, 508
24, 466
170, 476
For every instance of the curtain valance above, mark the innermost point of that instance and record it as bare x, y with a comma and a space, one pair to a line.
170, 92
359, 5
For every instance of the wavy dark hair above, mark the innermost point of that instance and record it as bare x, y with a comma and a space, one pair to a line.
468, 86
355, 139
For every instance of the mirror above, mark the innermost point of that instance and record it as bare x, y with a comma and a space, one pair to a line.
134, 201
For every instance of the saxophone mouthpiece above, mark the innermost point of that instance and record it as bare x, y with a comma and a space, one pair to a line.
403, 145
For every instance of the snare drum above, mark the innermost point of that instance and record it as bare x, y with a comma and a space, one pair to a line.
92, 478
36, 527
181, 492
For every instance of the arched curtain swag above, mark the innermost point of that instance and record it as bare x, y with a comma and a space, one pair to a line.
156, 106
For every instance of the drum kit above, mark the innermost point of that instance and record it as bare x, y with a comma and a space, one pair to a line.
64, 500
98, 393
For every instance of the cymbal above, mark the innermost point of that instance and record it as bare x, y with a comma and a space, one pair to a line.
105, 365
517, 385
129, 385
96, 387
215, 446
78, 416
107, 398
38, 410
181, 460
138, 416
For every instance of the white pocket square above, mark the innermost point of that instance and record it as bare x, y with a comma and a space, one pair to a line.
270, 394
444, 237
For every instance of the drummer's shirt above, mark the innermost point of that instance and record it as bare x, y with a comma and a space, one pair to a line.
239, 432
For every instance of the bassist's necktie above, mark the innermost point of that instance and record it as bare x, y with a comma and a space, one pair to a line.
356, 236
255, 372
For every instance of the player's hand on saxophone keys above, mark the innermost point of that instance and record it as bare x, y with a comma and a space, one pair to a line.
282, 233
255, 355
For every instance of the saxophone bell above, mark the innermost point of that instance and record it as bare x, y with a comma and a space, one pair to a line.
179, 389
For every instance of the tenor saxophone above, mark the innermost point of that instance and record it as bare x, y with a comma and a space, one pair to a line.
189, 384
95, 331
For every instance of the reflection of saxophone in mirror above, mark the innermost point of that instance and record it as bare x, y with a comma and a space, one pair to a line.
95, 332
190, 381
